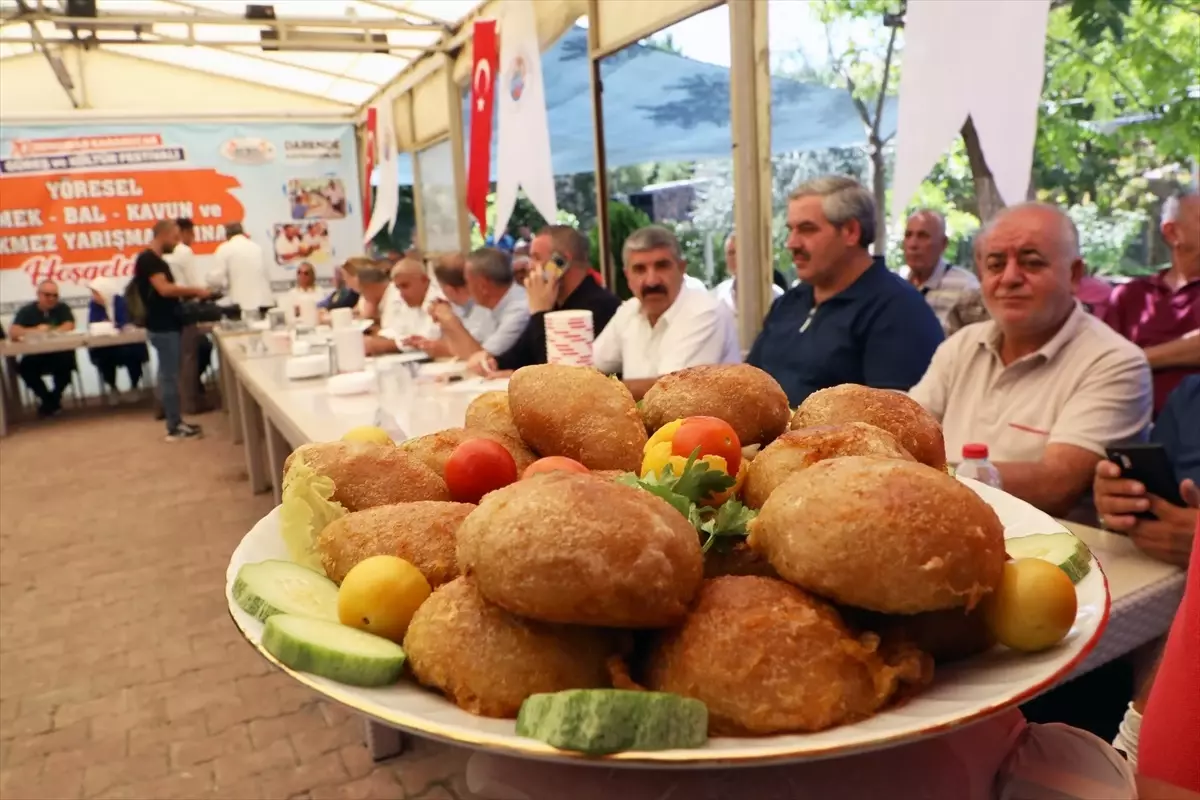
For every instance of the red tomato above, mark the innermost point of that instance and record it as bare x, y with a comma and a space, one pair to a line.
554, 464
714, 437
476, 467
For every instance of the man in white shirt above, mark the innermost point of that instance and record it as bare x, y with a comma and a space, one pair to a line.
726, 290
489, 280
403, 309
666, 326
182, 259
941, 284
241, 269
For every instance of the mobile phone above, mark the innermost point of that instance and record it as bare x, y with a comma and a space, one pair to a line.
1148, 464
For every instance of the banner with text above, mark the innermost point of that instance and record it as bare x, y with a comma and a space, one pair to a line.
78, 203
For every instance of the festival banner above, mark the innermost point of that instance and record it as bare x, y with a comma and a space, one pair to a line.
78, 202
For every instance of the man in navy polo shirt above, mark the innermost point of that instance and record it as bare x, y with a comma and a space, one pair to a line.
850, 320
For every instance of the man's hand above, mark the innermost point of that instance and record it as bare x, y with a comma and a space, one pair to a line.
1118, 499
482, 363
42, 327
203, 294
1169, 536
542, 291
378, 345
441, 311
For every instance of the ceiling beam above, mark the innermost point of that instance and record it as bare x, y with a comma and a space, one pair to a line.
363, 47
53, 59
404, 11
103, 21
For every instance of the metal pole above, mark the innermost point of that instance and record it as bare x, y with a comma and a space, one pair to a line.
607, 266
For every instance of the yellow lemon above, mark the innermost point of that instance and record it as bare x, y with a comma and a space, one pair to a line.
380, 594
367, 433
1034, 606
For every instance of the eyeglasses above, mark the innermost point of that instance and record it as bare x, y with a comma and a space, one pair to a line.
49, 295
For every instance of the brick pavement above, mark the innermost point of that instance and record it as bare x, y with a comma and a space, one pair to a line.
121, 674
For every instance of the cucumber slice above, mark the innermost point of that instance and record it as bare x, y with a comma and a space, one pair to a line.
602, 721
1062, 549
281, 587
333, 651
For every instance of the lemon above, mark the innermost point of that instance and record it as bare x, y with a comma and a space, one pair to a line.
380, 594
1034, 606
367, 433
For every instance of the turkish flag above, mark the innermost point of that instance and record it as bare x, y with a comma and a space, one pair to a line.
369, 164
482, 98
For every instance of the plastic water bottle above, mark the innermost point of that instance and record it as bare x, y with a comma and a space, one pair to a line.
975, 465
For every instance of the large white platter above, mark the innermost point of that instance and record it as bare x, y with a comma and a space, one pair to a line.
960, 694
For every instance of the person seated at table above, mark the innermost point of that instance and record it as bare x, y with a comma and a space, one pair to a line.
852, 320
452, 285
559, 279
666, 326
342, 295
47, 314
939, 282
726, 290
402, 307
108, 305
1045, 385
1169, 535
505, 308
1161, 313
305, 291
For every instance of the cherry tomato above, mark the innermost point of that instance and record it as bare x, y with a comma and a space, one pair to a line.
554, 464
714, 437
476, 467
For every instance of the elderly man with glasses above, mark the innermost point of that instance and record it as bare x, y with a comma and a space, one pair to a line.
47, 314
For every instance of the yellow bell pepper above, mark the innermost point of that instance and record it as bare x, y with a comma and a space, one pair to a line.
663, 435
658, 456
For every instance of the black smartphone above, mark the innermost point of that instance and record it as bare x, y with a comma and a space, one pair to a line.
1148, 464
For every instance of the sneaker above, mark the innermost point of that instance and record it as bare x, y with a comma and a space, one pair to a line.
184, 431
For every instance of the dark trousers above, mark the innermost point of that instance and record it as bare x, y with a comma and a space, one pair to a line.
109, 359
58, 366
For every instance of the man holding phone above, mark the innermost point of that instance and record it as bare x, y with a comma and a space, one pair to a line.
1160, 528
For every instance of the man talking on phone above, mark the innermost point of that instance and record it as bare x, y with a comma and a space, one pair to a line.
1164, 531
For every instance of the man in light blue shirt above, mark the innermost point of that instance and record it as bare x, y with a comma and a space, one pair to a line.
489, 279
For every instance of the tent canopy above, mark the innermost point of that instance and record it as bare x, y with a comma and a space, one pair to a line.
345, 49
661, 106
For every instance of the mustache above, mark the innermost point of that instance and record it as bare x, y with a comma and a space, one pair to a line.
653, 290
800, 252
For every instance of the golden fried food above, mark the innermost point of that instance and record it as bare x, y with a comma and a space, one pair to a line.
882, 534
579, 413
740, 559
800, 449
750, 400
488, 661
948, 635
435, 448
366, 474
421, 533
768, 658
490, 412
609, 474
914, 428
572, 548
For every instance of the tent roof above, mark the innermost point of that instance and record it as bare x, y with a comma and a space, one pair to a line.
214, 37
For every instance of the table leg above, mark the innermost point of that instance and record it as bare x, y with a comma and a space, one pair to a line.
383, 742
231, 397
253, 437
277, 452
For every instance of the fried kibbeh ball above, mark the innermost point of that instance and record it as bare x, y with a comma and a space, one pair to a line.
421, 533
740, 559
952, 634
435, 448
750, 400
573, 548
577, 412
800, 449
366, 474
488, 661
609, 474
882, 534
768, 658
914, 428
490, 412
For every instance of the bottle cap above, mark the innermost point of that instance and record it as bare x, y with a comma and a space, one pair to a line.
974, 451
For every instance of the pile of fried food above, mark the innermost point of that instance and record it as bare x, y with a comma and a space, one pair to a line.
791, 571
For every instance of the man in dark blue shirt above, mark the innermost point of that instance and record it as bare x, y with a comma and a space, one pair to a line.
850, 320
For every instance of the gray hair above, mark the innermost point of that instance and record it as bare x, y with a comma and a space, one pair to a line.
935, 215
372, 275
650, 237
1066, 226
492, 264
1172, 205
842, 199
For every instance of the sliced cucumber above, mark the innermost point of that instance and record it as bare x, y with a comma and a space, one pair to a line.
1062, 549
281, 587
333, 651
601, 721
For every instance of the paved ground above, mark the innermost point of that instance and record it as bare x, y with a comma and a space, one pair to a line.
121, 675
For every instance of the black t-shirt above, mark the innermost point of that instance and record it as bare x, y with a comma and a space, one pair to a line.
162, 313
530, 348
32, 315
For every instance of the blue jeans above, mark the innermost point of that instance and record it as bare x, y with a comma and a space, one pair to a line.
166, 344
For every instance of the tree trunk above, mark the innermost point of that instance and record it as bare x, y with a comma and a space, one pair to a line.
987, 199
879, 187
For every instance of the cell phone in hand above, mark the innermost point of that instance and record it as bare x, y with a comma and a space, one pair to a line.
1148, 464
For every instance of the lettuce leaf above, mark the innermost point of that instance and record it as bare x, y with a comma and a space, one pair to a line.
306, 509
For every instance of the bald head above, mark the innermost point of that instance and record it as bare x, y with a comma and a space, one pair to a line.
1181, 232
1049, 220
410, 278
924, 243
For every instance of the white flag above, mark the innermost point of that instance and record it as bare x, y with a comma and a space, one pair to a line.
387, 189
945, 78
524, 149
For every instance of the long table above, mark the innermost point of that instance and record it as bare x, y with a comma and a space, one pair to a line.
272, 416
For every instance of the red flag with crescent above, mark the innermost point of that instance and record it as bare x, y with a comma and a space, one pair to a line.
483, 94
369, 163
